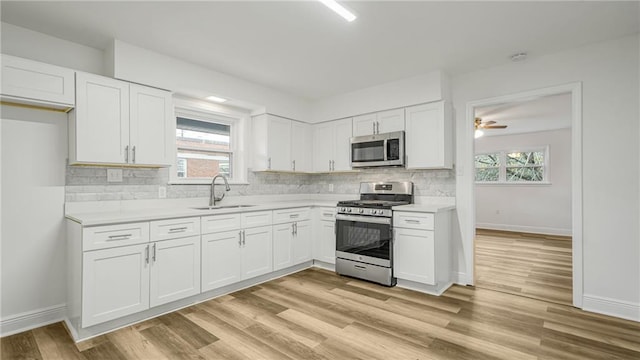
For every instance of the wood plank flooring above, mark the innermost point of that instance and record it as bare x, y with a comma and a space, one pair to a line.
536, 266
316, 314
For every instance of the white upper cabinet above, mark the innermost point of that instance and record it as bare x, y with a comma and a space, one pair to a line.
99, 126
280, 144
34, 83
331, 145
119, 123
378, 123
429, 136
152, 125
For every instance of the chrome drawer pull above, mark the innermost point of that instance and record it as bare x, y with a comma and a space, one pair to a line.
411, 221
294, 216
180, 229
119, 237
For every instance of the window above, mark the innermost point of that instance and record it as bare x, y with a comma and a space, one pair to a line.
526, 166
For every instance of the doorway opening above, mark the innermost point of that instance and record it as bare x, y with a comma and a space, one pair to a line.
526, 194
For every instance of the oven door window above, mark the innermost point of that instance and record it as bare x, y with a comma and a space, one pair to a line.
368, 151
364, 238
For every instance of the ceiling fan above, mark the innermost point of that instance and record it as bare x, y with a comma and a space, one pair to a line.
479, 124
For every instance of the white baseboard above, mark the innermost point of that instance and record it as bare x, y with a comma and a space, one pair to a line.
32, 319
525, 229
607, 306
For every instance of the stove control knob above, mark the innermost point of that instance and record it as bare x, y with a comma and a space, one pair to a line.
349, 210
376, 212
361, 211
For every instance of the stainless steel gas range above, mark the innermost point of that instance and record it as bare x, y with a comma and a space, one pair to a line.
364, 231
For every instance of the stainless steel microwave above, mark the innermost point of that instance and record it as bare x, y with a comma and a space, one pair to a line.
378, 150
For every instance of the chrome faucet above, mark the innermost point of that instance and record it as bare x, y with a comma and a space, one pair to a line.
212, 198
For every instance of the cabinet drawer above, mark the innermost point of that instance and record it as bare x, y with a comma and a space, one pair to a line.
103, 237
174, 228
219, 223
327, 214
258, 218
413, 220
291, 215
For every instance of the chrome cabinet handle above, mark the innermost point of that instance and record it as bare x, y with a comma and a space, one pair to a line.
269, 164
119, 237
146, 254
412, 221
133, 157
244, 238
293, 216
154, 253
126, 154
293, 227
329, 165
374, 127
240, 238
180, 229
377, 127
293, 165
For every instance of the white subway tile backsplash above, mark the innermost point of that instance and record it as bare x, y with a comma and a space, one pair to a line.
90, 183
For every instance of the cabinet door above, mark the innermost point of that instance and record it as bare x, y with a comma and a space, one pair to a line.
282, 246
392, 120
152, 125
115, 283
41, 83
327, 242
428, 141
342, 145
101, 120
300, 146
323, 146
302, 242
279, 143
175, 270
221, 259
364, 124
413, 255
257, 252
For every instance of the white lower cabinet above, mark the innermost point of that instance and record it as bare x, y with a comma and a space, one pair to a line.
291, 244
229, 256
325, 237
422, 249
115, 283
175, 270
124, 279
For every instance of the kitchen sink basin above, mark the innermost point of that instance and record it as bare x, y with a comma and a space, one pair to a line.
222, 207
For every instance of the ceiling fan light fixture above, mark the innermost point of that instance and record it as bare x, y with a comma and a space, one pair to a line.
478, 133
339, 9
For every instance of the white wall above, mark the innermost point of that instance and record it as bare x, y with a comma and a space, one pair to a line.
610, 134
34, 151
21, 42
139, 65
433, 86
544, 209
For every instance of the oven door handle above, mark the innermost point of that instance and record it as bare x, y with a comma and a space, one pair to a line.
364, 219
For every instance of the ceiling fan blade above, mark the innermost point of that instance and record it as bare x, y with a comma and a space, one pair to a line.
488, 122
495, 127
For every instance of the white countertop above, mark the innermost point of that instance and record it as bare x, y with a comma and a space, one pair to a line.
432, 208
148, 214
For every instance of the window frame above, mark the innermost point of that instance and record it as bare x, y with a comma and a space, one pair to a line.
202, 112
502, 168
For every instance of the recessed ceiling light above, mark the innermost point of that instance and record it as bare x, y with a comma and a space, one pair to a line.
521, 56
216, 99
341, 10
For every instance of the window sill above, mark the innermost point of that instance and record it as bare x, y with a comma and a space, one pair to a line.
513, 183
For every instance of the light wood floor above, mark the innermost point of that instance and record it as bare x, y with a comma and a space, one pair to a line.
316, 314
536, 266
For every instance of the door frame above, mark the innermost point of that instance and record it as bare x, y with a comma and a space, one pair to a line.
575, 89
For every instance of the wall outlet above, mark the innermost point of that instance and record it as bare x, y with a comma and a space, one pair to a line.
330, 187
114, 175
162, 192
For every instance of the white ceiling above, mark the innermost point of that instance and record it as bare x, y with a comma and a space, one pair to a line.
302, 48
533, 115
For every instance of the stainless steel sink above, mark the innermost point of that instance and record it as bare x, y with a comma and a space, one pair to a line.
221, 207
